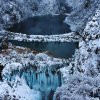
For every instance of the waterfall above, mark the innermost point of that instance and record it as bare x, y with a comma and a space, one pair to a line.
45, 81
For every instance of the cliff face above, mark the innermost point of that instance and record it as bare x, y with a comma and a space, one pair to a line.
82, 76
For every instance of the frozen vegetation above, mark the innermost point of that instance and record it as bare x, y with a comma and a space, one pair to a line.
25, 74
18, 91
82, 76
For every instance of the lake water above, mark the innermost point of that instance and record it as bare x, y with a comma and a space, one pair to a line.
42, 25
62, 50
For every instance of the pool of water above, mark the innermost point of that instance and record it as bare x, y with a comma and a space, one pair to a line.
42, 25
62, 50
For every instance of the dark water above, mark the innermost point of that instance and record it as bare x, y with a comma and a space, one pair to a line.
42, 25
62, 50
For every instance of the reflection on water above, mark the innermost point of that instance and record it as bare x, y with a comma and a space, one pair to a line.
42, 25
62, 50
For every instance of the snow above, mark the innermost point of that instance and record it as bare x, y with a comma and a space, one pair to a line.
19, 90
48, 7
68, 37
81, 78
93, 27
80, 14
74, 3
73, 26
24, 70
14, 59
17, 10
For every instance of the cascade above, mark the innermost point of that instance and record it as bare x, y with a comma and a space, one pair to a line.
45, 81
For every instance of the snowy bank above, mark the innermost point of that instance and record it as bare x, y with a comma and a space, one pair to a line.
68, 37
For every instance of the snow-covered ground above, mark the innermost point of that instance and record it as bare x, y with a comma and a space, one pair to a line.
18, 90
